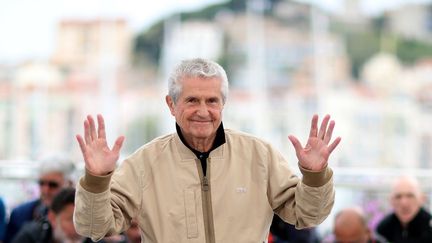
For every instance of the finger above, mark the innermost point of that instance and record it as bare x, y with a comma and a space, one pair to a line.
101, 126
118, 144
314, 127
334, 144
329, 133
87, 132
323, 126
296, 143
81, 144
92, 127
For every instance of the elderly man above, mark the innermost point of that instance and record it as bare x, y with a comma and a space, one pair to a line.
350, 225
409, 222
54, 174
203, 183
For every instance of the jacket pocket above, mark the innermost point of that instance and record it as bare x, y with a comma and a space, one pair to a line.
191, 214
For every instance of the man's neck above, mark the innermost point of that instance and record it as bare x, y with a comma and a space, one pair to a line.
201, 145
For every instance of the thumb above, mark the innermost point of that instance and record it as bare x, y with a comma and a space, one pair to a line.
118, 144
296, 143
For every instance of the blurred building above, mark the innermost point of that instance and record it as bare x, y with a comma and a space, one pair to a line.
190, 39
85, 43
413, 21
45, 100
6, 99
280, 65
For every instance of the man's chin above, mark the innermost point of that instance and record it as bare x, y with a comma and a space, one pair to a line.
406, 219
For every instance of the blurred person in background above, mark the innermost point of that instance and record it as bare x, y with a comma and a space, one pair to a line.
133, 234
54, 174
409, 221
283, 232
57, 226
350, 226
203, 183
2, 219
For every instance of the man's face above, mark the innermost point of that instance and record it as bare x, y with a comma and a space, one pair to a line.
406, 200
198, 110
350, 229
64, 230
49, 185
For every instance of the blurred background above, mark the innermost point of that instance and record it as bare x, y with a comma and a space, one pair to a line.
367, 63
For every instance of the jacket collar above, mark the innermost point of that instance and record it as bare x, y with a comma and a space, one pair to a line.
187, 152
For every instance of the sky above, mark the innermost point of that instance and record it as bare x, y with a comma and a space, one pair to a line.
27, 27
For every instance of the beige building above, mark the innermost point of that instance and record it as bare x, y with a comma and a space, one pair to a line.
87, 43
44, 101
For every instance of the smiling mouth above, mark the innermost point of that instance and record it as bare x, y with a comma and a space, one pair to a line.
201, 121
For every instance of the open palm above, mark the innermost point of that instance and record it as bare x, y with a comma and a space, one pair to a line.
98, 157
314, 156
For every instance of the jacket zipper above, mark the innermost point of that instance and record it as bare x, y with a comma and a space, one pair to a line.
206, 202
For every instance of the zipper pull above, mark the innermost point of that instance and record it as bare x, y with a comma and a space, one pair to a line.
205, 184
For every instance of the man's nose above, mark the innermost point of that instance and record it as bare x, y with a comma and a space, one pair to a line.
202, 109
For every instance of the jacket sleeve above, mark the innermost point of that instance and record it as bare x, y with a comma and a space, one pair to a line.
104, 205
304, 202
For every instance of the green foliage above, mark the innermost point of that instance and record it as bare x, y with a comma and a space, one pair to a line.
147, 45
410, 51
360, 47
364, 42
361, 41
207, 13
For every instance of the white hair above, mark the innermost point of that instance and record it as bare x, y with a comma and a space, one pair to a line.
57, 163
196, 67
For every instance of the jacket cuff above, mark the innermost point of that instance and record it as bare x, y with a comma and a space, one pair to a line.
94, 183
316, 178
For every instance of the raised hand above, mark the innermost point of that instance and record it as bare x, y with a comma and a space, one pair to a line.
314, 156
98, 157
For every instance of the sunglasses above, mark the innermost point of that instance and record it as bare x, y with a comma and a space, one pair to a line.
50, 184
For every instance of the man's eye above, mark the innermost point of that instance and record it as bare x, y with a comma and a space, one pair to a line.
212, 101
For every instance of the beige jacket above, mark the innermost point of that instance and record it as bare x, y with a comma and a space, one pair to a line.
162, 185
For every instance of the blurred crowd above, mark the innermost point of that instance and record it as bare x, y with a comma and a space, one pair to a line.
49, 218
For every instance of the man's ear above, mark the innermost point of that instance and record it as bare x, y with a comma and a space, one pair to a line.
170, 104
51, 218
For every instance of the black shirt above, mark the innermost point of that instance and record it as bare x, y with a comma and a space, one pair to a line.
202, 156
419, 230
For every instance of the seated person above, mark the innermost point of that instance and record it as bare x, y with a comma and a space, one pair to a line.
283, 232
409, 221
54, 174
